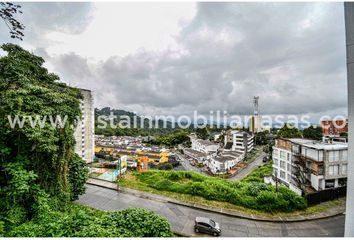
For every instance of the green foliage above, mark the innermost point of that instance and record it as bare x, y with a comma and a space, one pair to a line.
258, 174
202, 133
78, 174
174, 138
35, 175
79, 221
250, 193
289, 131
314, 133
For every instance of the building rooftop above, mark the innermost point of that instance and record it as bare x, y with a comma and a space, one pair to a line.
320, 145
195, 152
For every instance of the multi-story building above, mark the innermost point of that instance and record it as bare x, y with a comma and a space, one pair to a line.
223, 162
334, 127
204, 146
306, 165
242, 142
84, 132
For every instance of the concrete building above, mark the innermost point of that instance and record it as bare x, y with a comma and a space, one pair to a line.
239, 141
223, 162
204, 146
308, 165
84, 132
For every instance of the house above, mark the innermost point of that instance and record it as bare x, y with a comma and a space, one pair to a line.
221, 163
303, 164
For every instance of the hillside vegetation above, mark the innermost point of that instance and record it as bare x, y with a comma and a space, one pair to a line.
249, 194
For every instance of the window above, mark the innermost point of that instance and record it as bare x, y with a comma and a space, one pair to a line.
289, 167
275, 162
344, 156
275, 172
344, 169
333, 170
330, 170
282, 155
282, 165
275, 152
288, 157
282, 175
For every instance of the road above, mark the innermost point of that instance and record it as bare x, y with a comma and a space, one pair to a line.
187, 165
182, 218
250, 167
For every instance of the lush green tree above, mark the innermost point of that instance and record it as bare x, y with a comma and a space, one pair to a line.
289, 131
313, 133
35, 159
7, 13
202, 133
173, 139
79, 221
260, 138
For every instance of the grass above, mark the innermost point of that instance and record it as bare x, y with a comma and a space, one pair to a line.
259, 173
132, 181
190, 185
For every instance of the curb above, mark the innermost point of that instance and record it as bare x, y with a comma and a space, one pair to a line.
278, 219
180, 234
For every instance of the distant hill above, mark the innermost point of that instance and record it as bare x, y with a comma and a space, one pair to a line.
129, 129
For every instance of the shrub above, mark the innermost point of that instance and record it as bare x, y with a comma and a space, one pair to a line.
250, 194
81, 221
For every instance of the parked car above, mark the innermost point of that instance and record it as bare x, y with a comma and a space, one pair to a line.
207, 225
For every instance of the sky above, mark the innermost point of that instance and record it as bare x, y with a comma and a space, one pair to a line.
174, 58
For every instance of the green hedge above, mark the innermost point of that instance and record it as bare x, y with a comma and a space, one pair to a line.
254, 195
81, 221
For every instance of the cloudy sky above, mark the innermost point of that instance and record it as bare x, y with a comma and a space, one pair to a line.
173, 58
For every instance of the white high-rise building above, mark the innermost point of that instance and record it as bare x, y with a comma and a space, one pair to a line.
84, 132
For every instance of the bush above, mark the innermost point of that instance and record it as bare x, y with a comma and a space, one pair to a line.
81, 221
251, 194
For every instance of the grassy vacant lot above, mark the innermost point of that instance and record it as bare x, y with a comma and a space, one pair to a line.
192, 186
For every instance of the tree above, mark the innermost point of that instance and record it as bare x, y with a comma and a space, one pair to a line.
314, 133
36, 161
202, 133
289, 131
7, 12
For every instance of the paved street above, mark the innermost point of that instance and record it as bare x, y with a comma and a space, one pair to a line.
182, 218
250, 167
187, 165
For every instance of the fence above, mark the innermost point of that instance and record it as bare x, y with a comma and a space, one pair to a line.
326, 195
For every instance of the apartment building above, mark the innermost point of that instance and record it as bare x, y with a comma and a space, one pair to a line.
334, 127
204, 146
307, 165
239, 141
84, 132
223, 162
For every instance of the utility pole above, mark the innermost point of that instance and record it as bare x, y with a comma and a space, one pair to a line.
349, 29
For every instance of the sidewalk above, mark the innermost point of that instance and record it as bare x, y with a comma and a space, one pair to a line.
335, 211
